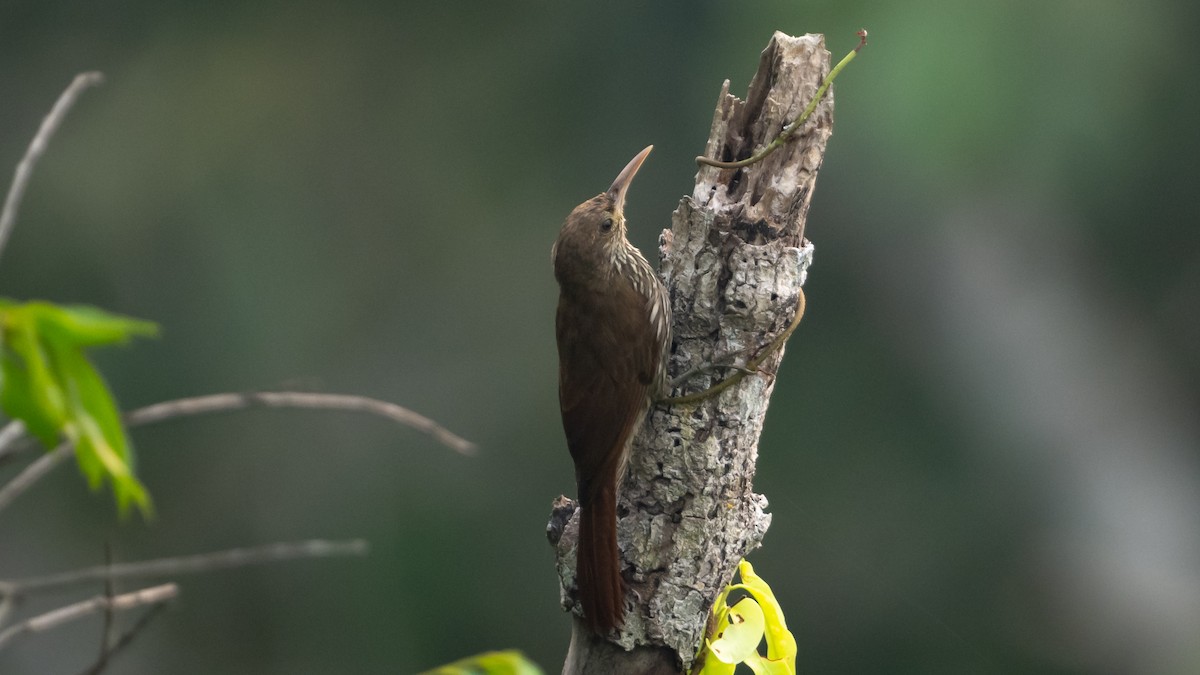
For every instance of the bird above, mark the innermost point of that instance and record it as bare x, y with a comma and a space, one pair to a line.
613, 328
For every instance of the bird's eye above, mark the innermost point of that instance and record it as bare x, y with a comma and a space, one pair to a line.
606, 225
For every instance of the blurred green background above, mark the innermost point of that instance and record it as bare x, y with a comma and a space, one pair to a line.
983, 454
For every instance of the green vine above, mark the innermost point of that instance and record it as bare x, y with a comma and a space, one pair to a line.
786, 134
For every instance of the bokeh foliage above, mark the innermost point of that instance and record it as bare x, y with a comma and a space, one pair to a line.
981, 455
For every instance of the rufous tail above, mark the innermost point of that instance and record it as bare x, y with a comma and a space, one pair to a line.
598, 569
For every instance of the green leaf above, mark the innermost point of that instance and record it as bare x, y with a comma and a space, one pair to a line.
30, 391
101, 446
49, 384
85, 326
510, 662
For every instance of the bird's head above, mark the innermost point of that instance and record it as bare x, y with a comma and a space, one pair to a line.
595, 230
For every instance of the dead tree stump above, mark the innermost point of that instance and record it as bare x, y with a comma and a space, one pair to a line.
734, 261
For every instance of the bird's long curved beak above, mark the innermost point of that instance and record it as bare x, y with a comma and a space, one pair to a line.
620, 186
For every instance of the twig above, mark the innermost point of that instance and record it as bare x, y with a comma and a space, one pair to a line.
125, 640
200, 405
6, 607
32, 473
55, 618
9, 435
110, 590
790, 129
8, 216
290, 399
192, 564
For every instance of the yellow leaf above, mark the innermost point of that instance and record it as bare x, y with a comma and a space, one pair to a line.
738, 638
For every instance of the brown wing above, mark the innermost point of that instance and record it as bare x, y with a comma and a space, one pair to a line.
608, 357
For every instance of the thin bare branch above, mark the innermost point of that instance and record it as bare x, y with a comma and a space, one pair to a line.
37, 147
201, 405
292, 399
191, 564
108, 633
9, 435
57, 617
124, 641
33, 473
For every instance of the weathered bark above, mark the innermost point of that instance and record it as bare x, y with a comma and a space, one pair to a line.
733, 260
